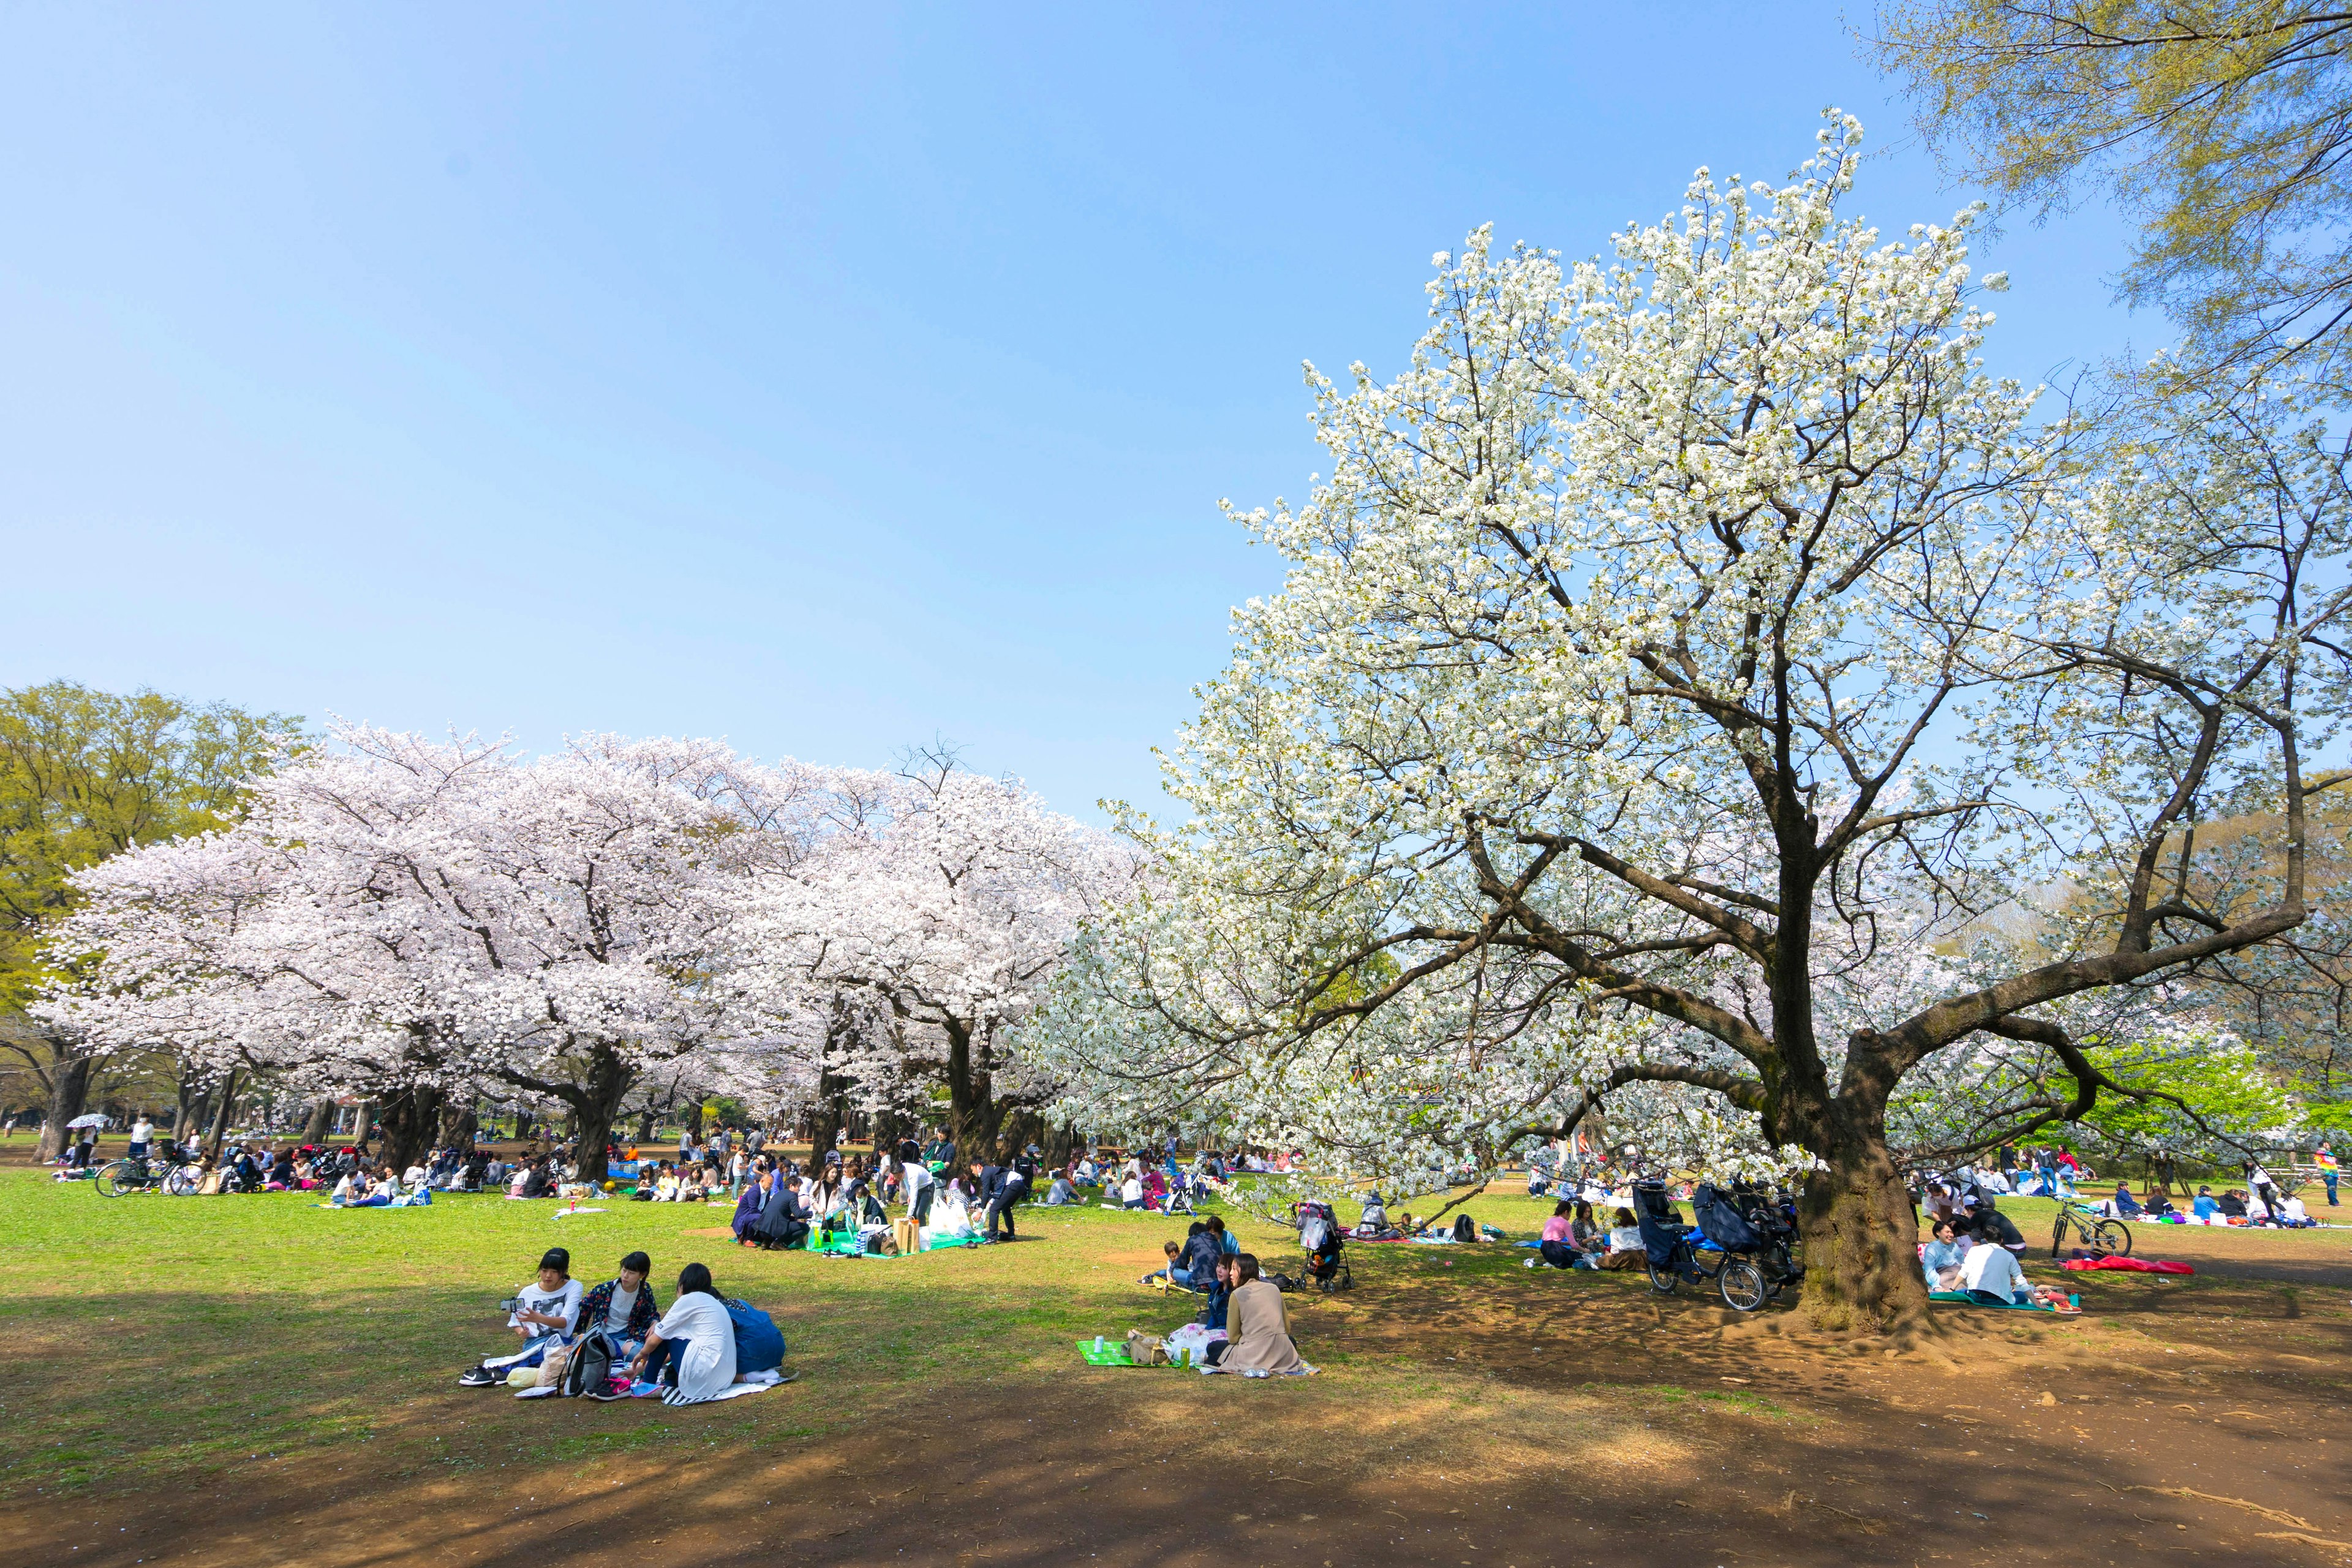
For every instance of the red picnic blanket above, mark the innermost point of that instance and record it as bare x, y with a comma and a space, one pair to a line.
2130, 1264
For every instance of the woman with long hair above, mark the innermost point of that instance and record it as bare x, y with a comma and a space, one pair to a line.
690, 1353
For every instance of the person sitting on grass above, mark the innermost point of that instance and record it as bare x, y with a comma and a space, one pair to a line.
1990, 1275
691, 1350
542, 1317
755, 1196
1062, 1193
1942, 1259
1624, 1250
1257, 1328
2293, 1215
623, 1308
1558, 1246
1220, 1294
2203, 1208
1167, 1271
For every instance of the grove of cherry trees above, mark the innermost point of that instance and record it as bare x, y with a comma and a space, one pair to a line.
422, 922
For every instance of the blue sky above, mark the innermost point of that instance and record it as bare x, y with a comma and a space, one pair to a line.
826, 382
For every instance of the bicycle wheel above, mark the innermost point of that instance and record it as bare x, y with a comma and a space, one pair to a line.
2058, 1237
2113, 1235
1661, 1280
1742, 1286
115, 1178
182, 1181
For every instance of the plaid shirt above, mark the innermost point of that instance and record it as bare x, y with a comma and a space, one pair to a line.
599, 1301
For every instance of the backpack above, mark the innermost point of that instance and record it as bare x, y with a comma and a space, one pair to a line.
1465, 1228
759, 1343
588, 1367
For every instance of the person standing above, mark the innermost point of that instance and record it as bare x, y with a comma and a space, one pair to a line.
916, 1185
142, 1132
2326, 1160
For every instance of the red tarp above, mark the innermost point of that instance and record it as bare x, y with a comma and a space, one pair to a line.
2130, 1264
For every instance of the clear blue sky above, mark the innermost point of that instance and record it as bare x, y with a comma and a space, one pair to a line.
825, 379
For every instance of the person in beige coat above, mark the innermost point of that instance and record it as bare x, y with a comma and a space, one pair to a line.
1257, 1328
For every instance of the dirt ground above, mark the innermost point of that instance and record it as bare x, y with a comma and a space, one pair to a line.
2169, 1425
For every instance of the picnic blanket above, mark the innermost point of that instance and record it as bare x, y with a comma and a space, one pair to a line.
1962, 1298
2129, 1265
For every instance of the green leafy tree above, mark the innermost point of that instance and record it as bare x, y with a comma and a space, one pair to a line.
2222, 127
85, 774
2209, 1103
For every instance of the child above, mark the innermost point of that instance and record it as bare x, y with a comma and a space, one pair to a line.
1166, 1273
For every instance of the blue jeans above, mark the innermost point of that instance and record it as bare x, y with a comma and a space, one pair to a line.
665, 1361
2330, 1179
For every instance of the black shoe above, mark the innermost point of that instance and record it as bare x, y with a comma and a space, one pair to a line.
480, 1377
606, 1395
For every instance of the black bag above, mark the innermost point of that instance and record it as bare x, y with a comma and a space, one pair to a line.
1465, 1228
588, 1367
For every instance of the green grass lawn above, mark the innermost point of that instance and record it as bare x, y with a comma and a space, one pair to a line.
159, 1341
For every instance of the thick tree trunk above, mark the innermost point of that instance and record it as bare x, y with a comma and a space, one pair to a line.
826, 1114
1861, 1244
321, 1122
1017, 1130
1060, 1144
222, 1117
594, 1101
458, 1126
973, 1115
69, 1092
183, 1113
645, 1126
412, 1116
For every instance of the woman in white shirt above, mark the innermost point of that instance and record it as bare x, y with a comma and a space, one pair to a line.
692, 1348
1991, 1274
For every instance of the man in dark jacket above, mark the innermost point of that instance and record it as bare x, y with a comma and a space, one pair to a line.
1000, 1187
783, 1222
1199, 1261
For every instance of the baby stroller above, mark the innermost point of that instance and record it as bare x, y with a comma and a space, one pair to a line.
1180, 1199
1321, 1236
1755, 1264
1671, 1259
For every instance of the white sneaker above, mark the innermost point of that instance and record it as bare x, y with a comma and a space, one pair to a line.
1527, 1263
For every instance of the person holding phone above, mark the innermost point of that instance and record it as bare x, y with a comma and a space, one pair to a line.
542, 1312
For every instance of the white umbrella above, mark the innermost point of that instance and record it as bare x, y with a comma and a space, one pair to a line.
92, 1120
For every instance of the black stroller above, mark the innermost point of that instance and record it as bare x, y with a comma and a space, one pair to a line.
1756, 1265
1671, 1259
1320, 1235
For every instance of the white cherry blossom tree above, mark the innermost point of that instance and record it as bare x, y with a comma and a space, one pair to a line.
1682, 645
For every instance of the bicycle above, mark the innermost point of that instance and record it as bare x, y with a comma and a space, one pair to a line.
117, 1178
2097, 1234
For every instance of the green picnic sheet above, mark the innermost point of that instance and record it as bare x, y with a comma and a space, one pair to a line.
1962, 1298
